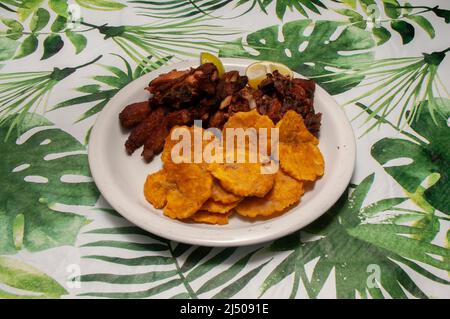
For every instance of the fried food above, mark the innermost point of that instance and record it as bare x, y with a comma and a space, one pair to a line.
134, 114
193, 188
278, 94
196, 135
217, 207
210, 218
242, 179
299, 155
218, 194
155, 142
144, 130
249, 120
157, 187
285, 193
183, 88
200, 94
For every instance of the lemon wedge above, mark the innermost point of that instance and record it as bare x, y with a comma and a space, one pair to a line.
256, 72
206, 57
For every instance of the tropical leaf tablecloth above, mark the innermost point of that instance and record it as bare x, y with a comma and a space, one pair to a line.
386, 62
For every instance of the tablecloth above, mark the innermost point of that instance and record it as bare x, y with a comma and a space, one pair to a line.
385, 62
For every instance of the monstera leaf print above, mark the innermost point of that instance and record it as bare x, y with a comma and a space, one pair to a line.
310, 53
189, 271
425, 175
346, 242
31, 282
42, 169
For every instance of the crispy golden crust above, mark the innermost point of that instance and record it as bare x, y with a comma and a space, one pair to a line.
192, 191
242, 179
210, 218
299, 155
218, 207
157, 187
134, 114
285, 193
219, 194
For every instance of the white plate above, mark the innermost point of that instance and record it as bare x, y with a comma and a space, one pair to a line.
120, 178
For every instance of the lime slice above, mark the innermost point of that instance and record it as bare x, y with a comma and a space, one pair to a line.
256, 72
206, 57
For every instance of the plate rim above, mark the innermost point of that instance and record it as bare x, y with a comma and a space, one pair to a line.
96, 167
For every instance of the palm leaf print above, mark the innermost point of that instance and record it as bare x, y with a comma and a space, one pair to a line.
177, 9
108, 85
102, 5
25, 92
10, 5
160, 39
157, 266
346, 240
399, 84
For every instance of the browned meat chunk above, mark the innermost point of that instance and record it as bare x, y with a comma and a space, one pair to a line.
167, 80
279, 93
218, 119
230, 83
181, 117
143, 131
269, 106
178, 89
134, 114
312, 122
155, 142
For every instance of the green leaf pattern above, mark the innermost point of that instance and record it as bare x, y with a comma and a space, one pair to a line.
384, 60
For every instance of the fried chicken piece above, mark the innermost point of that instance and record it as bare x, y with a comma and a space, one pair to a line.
142, 132
207, 77
134, 114
178, 89
155, 142
181, 117
167, 80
